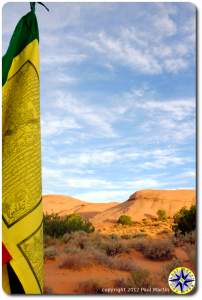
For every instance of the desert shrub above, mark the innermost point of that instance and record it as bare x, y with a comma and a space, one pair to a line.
113, 262
114, 236
162, 216
80, 240
120, 283
185, 220
76, 222
113, 248
90, 287
158, 249
47, 290
154, 249
140, 234
101, 257
75, 261
126, 236
66, 237
167, 268
180, 239
57, 226
71, 250
49, 241
125, 220
138, 244
140, 278
50, 252
164, 231
190, 250
122, 264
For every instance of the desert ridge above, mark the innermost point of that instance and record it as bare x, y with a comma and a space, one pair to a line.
142, 204
65, 205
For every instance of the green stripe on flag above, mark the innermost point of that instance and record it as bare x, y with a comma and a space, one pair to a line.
25, 32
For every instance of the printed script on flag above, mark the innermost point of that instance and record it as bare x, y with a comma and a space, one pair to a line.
22, 206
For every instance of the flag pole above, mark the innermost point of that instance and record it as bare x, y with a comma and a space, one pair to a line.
33, 4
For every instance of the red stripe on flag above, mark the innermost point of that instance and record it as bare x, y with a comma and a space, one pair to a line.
6, 257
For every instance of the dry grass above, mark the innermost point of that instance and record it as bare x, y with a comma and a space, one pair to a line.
159, 249
50, 252
120, 283
140, 234
154, 248
140, 278
113, 248
164, 231
138, 244
90, 287
166, 269
49, 241
75, 261
122, 264
183, 239
47, 290
190, 250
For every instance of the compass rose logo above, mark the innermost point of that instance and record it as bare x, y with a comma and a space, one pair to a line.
181, 280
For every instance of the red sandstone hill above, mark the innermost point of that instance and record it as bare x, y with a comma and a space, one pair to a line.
141, 204
64, 205
146, 203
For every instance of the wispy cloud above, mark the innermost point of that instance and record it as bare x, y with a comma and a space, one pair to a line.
55, 125
117, 96
98, 117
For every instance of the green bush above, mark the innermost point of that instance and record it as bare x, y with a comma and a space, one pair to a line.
162, 216
125, 220
185, 220
57, 226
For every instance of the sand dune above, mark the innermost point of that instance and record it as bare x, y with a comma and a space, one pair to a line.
146, 203
141, 204
64, 205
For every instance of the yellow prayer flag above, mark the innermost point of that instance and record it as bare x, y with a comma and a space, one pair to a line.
22, 206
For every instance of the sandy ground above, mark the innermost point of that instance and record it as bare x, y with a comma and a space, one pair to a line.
140, 205
65, 281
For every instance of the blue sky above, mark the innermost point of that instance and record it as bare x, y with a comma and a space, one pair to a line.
117, 96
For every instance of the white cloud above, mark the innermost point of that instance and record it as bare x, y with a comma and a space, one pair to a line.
62, 58
178, 108
104, 196
121, 193
52, 124
96, 157
188, 174
97, 117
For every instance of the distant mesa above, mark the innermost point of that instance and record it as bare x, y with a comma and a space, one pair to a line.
140, 205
